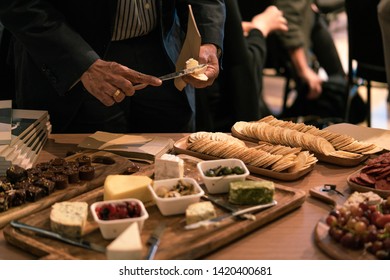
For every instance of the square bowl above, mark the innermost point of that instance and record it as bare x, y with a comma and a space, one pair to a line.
220, 184
174, 205
115, 225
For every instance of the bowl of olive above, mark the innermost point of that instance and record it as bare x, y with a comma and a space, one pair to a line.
217, 174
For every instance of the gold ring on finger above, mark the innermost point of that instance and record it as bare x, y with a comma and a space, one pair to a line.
117, 92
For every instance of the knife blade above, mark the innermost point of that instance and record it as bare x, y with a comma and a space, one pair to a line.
173, 75
228, 207
77, 242
217, 220
181, 73
154, 240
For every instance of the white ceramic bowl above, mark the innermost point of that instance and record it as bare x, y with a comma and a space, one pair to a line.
174, 205
220, 184
110, 229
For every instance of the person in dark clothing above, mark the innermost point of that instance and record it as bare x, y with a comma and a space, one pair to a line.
237, 93
308, 36
79, 59
6, 76
384, 23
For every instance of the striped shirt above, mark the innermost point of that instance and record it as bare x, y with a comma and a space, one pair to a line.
134, 18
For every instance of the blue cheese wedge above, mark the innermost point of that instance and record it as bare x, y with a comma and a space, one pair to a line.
69, 218
251, 192
168, 166
127, 246
200, 211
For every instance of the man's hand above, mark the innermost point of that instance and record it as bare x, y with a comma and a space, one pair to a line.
268, 21
314, 82
207, 55
307, 74
110, 82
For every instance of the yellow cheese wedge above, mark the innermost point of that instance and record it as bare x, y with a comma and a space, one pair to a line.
127, 246
127, 186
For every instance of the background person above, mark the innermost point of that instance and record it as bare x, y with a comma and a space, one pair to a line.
237, 93
384, 23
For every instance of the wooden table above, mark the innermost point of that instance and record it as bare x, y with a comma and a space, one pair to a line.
289, 237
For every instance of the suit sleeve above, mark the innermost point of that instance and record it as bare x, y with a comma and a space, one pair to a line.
57, 50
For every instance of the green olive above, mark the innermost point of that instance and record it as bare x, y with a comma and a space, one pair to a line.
238, 170
226, 170
209, 173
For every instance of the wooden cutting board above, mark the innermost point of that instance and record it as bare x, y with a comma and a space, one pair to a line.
101, 171
176, 243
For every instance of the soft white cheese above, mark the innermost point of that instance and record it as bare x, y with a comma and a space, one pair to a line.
127, 246
200, 211
359, 197
168, 166
127, 186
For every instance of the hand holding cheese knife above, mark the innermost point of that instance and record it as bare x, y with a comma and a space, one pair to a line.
174, 75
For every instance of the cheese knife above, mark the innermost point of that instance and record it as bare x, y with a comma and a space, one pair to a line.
174, 75
154, 240
227, 207
77, 242
181, 73
217, 220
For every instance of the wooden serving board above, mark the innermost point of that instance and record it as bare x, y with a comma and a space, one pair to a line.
336, 250
321, 236
101, 171
359, 188
347, 162
181, 145
176, 242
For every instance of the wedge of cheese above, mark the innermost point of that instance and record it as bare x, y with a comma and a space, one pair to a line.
127, 186
168, 166
69, 218
127, 246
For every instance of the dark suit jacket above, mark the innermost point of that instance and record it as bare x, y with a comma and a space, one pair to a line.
237, 93
56, 41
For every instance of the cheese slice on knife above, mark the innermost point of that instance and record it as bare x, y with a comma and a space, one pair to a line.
127, 246
127, 186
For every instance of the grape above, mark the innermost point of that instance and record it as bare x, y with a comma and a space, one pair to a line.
356, 211
351, 223
360, 228
336, 233
387, 227
331, 220
335, 213
347, 240
371, 236
386, 244
364, 220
